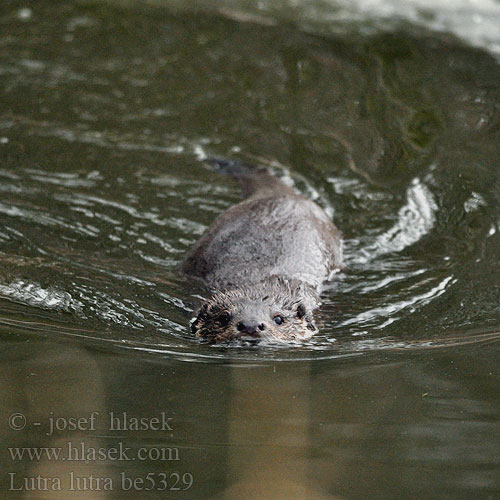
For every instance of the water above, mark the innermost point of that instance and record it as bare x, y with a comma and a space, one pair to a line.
386, 115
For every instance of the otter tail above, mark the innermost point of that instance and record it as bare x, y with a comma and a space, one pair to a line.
254, 181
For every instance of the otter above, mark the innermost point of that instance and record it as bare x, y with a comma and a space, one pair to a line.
264, 260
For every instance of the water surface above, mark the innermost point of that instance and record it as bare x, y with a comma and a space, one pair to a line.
107, 115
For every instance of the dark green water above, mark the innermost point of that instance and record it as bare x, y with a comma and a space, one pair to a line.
106, 115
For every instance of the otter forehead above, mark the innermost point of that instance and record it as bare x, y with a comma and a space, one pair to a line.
251, 307
269, 296
260, 303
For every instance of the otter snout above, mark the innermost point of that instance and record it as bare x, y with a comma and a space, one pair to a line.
250, 327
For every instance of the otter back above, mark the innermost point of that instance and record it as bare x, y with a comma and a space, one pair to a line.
274, 232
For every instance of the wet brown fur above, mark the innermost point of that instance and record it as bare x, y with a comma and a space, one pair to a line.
263, 258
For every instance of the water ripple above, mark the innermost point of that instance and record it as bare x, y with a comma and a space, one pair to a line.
104, 190
415, 219
33, 294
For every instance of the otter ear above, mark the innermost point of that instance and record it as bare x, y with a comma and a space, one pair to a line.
301, 311
202, 316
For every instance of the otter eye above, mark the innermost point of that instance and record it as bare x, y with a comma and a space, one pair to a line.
278, 319
223, 319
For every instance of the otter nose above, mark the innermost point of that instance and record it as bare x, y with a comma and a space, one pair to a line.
250, 327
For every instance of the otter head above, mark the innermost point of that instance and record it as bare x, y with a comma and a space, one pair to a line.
273, 309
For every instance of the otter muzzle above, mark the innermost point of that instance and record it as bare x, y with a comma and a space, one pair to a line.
252, 328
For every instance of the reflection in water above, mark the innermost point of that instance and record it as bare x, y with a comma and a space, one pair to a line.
391, 424
269, 428
56, 384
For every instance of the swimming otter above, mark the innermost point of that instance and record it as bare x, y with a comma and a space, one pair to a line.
265, 260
